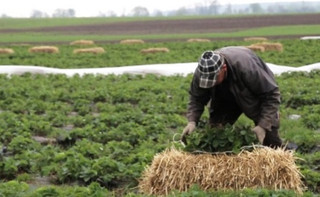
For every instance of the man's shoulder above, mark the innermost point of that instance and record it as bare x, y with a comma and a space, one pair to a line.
234, 49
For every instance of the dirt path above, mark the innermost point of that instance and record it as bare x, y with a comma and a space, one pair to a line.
192, 26
204, 25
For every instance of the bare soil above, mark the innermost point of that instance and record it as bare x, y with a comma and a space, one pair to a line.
202, 25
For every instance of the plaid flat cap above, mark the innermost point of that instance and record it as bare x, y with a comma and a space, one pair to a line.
209, 66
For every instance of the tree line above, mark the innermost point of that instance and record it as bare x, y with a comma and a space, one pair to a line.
212, 7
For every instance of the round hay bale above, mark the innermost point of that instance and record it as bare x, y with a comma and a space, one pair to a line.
198, 40
256, 39
82, 42
154, 50
44, 49
261, 168
95, 50
132, 41
270, 46
6, 51
256, 48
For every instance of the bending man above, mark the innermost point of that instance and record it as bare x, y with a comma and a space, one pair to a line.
235, 81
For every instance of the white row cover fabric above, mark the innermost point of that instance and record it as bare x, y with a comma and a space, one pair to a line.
182, 69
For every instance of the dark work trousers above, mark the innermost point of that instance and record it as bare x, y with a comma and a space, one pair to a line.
224, 109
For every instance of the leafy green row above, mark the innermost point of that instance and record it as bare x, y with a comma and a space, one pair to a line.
22, 189
296, 53
108, 128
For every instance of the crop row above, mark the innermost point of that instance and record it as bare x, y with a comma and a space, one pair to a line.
106, 129
295, 53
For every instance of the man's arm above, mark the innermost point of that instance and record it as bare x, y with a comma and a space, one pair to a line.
261, 82
270, 103
198, 98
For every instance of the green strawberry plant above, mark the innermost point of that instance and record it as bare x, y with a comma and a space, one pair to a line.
227, 138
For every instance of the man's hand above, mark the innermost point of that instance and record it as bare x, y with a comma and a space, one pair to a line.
187, 131
260, 133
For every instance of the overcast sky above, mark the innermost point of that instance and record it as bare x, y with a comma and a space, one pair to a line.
90, 8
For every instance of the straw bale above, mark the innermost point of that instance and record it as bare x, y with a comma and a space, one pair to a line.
6, 51
82, 42
262, 168
270, 46
256, 39
132, 41
198, 40
256, 48
95, 50
155, 50
44, 49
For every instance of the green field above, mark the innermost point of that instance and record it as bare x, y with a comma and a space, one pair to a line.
296, 53
107, 129
56, 37
25, 24
17, 23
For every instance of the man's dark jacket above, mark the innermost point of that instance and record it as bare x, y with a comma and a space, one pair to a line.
251, 83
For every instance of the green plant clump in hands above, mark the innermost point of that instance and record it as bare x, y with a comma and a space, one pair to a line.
228, 138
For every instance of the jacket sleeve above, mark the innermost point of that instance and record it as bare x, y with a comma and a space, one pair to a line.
269, 109
198, 98
260, 81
